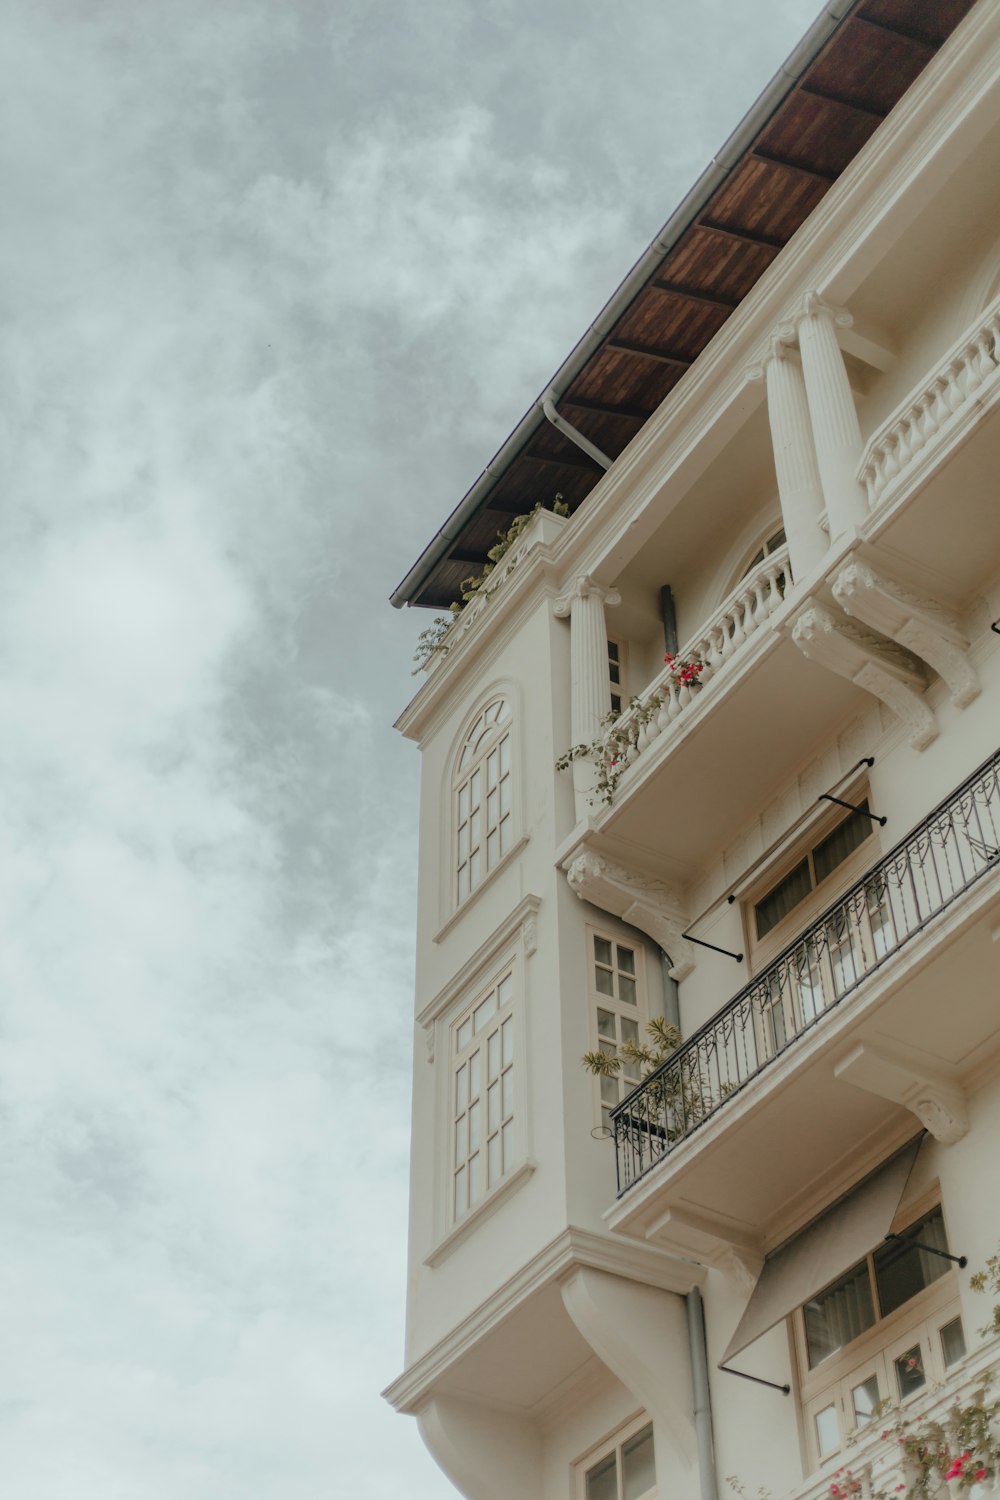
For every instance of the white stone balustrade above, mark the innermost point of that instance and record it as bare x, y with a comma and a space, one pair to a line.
922, 420
722, 639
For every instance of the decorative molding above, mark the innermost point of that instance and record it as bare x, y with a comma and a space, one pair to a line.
711, 1239
937, 1100
466, 906
571, 1248
813, 305
472, 1220
888, 671
522, 920
585, 587
649, 905
914, 621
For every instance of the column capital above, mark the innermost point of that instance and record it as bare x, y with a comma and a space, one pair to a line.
586, 587
780, 345
813, 305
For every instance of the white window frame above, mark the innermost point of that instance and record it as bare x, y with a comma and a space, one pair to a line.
613, 1444
483, 798
482, 1069
618, 689
919, 1320
598, 1001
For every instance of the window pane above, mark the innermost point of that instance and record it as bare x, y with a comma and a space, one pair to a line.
638, 1471
626, 989
630, 1031
461, 1088
464, 1035
504, 990
604, 979
492, 765
609, 1090
602, 951
507, 1133
493, 1107
475, 1071
482, 1013
493, 1055
508, 1041
952, 1342
461, 1189
785, 896
602, 1480
473, 1127
474, 788
505, 755
475, 1184
461, 1139
626, 960
494, 1159
902, 1270
507, 1084
864, 1399
910, 1375
605, 1023
838, 1315
827, 1431
841, 842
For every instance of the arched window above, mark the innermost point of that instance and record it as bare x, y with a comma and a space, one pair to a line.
771, 545
483, 798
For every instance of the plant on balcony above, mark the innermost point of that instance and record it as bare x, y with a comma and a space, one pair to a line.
684, 671
938, 1455
670, 1109
433, 641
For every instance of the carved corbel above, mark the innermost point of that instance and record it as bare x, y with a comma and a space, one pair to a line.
920, 624
647, 904
937, 1100
712, 1240
886, 670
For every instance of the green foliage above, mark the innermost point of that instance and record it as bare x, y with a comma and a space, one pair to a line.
433, 641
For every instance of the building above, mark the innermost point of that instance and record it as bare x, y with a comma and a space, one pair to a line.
779, 447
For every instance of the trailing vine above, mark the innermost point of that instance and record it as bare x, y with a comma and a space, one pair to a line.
955, 1451
434, 640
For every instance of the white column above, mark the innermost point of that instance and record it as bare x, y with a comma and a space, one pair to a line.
590, 686
799, 487
836, 432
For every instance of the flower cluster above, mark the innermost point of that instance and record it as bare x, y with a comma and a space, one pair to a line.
960, 1466
684, 673
845, 1484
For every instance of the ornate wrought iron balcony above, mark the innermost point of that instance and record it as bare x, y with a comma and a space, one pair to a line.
957, 843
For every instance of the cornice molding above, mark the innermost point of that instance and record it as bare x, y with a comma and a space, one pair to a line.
556, 1261
519, 922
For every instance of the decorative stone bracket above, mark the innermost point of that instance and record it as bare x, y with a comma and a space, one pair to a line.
647, 904
713, 1241
936, 1100
920, 624
887, 670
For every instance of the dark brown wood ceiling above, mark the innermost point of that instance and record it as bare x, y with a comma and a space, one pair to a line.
817, 129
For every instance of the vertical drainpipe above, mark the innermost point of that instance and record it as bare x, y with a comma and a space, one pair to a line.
671, 992
669, 616
704, 1436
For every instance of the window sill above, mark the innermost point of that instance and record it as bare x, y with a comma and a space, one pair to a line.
482, 1211
471, 899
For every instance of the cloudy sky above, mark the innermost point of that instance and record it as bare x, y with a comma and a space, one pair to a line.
277, 279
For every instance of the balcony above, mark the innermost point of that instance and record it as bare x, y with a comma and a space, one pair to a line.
844, 980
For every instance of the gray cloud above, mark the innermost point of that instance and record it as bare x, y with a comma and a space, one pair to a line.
276, 281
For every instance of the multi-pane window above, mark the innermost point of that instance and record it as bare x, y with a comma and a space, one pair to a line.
864, 1349
483, 798
627, 1472
483, 1097
819, 863
618, 997
771, 545
616, 674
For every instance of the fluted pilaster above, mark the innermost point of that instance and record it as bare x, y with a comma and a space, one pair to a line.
590, 687
836, 433
800, 488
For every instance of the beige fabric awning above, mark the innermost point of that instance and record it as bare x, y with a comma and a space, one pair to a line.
824, 1250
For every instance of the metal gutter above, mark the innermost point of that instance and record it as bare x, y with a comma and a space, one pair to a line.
679, 221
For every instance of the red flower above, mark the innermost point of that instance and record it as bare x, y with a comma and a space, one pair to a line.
980, 1474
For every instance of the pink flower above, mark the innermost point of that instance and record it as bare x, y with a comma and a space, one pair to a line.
980, 1474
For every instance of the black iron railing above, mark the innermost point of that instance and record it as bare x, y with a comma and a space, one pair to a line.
954, 845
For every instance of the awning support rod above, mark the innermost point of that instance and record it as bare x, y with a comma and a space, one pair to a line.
865, 812
785, 1390
960, 1260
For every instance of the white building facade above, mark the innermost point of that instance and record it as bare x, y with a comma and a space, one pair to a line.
794, 856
